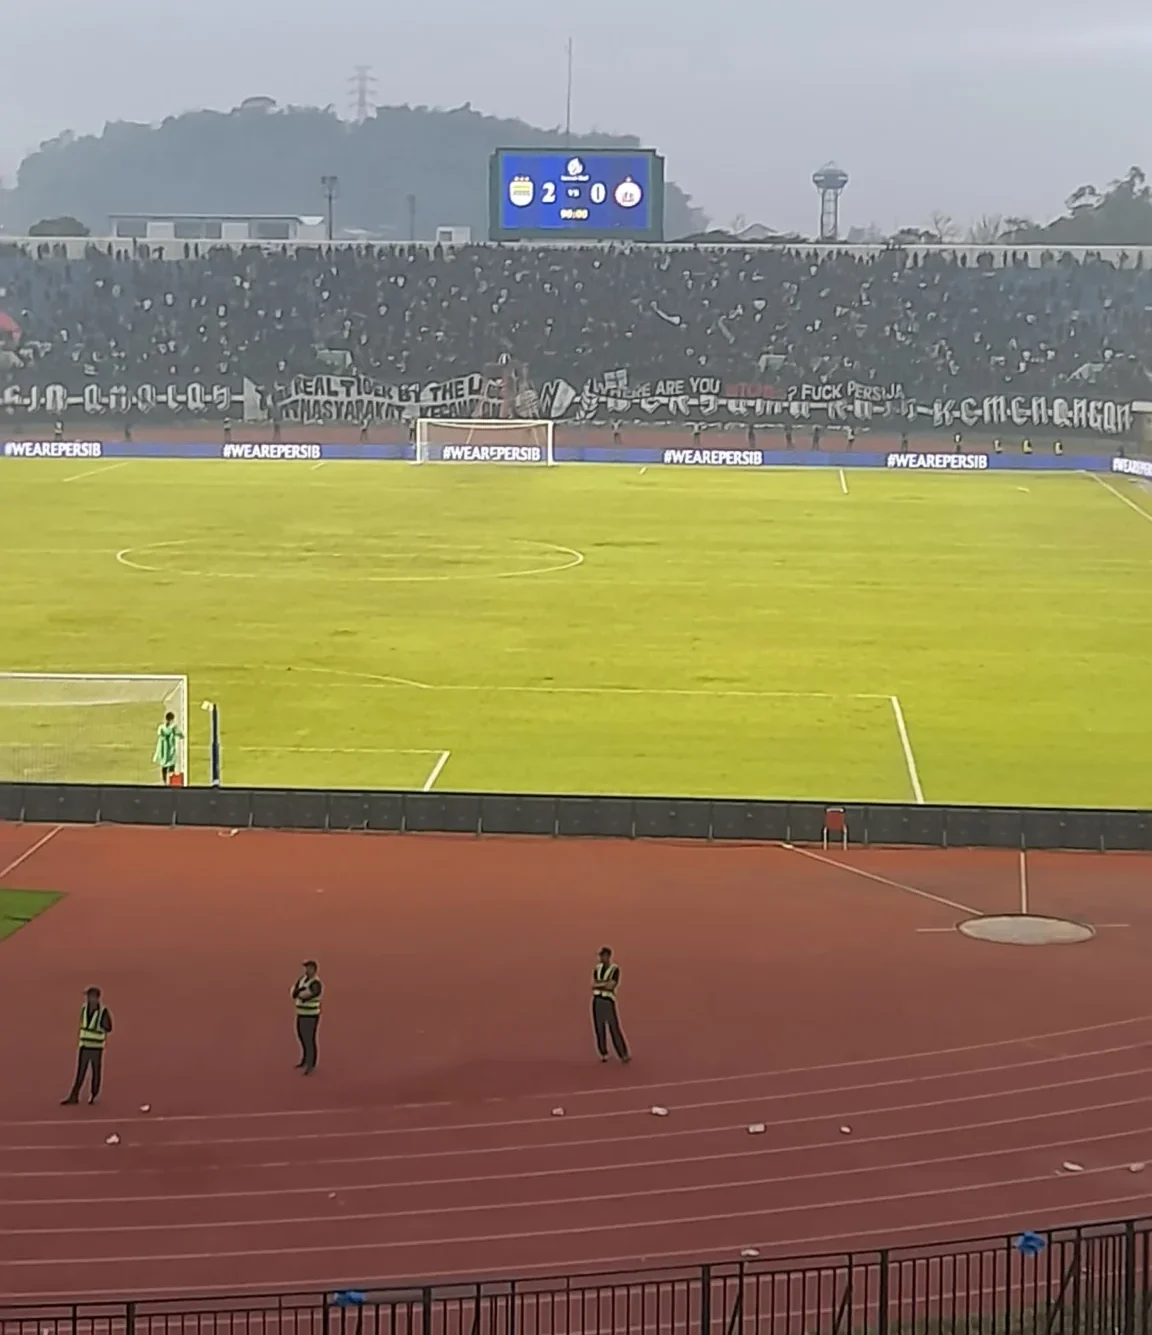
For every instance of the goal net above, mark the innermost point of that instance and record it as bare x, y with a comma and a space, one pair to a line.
87, 728
484, 441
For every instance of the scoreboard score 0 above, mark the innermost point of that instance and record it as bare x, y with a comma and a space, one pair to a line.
576, 194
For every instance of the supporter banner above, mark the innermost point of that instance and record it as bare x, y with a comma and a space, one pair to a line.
616, 395
354, 399
1101, 417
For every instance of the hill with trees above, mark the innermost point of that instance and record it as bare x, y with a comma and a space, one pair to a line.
263, 159
1118, 215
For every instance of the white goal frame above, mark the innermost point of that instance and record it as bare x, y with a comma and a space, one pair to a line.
96, 690
475, 440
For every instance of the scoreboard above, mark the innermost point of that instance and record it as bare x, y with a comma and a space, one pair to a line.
576, 194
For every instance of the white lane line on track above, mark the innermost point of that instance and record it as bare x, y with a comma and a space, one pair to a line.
663, 1086
36, 847
103, 1201
372, 1132
611, 1226
600, 1198
882, 880
619, 1262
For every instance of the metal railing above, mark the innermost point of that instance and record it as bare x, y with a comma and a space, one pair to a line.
1088, 1280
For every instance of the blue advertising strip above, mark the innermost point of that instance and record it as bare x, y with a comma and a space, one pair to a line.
282, 451
646, 456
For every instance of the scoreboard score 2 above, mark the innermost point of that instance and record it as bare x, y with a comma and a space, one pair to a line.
576, 194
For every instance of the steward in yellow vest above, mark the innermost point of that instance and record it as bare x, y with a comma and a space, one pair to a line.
605, 1018
306, 994
95, 1026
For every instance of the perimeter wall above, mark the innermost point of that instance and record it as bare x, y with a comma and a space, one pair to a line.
560, 816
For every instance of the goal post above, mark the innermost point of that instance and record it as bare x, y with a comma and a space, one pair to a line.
64, 727
482, 440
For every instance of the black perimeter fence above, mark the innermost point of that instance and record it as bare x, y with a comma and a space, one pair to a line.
934, 826
1090, 1280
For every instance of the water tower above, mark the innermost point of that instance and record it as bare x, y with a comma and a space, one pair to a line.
830, 180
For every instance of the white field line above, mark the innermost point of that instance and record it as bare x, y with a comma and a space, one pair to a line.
884, 880
345, 750
843, 483
92, 472
36, 847
1128, 501
906, 746
1023, 881
437, 770
377, 679
319, 465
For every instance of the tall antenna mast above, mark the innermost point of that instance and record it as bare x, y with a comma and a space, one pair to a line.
362, 89
568, 99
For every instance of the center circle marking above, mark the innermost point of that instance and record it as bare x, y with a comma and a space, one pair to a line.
541, 558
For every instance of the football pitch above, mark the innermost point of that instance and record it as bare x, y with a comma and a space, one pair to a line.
794, 633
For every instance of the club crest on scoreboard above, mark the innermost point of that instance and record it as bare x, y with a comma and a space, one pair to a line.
521, 191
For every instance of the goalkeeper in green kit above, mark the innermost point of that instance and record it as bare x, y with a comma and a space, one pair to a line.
168, 739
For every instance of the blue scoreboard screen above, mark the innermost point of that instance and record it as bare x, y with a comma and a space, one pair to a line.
595, 194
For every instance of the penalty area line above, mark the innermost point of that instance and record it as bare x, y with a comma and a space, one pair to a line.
906, 747
437, 770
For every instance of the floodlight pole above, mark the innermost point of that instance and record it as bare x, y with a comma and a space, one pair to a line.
330, 186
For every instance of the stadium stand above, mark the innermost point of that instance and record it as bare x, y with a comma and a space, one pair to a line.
933, 323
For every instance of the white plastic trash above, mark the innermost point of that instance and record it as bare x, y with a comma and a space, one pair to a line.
749, 1253
1070, 1167
659, 1112
845, 1130
113, 1139
145, 1107
1136, 1167
757, 1129
557, 1112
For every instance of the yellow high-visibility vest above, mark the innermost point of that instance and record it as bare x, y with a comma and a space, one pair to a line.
91, 1033
306, 1005
605, 973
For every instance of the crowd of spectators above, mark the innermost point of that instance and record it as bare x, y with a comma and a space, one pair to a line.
933, 323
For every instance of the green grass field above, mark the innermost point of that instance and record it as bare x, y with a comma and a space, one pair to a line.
585, 629
18, 907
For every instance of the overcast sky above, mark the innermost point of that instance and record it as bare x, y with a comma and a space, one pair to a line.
986, 106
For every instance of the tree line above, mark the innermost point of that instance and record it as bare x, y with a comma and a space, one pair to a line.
402, 170
406, 170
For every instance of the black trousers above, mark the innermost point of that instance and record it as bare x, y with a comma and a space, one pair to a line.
89, 1059
306, 1026
606, 1022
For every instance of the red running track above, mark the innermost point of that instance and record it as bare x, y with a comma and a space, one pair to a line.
760, 985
